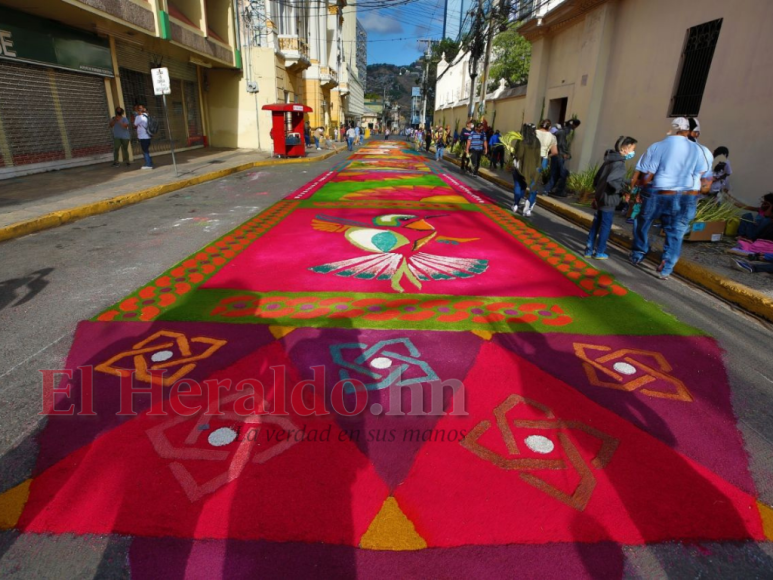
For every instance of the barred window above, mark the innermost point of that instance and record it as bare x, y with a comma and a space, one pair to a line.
694, 69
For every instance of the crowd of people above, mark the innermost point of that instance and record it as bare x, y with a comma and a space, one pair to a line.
668, 181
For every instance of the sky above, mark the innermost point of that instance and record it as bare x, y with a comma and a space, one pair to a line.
393, 32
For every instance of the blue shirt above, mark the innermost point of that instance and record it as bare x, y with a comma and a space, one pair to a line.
476, 141
676, 163
494, 140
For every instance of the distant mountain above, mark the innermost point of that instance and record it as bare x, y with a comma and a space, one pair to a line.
398, 87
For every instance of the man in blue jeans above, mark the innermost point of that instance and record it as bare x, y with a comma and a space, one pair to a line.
143, 134
667, 174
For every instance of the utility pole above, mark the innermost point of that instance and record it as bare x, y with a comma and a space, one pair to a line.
476, 50
486, 61
425, 80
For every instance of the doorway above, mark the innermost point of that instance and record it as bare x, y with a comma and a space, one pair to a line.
557, 110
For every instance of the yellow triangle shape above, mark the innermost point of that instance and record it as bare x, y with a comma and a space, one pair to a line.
766, 513
280, 331
484, 334
392, 530
12, 503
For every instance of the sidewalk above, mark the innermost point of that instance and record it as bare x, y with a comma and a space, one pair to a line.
35, 202
719, 278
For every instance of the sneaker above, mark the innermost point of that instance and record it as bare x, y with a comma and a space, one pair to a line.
744, 266
146, 167
662, 277
319, 148
588, 253
128, 164
634, 261
527, 213
116, 164
601, 256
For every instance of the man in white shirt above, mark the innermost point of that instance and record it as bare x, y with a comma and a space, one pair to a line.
351, 135
548, 143
143, 135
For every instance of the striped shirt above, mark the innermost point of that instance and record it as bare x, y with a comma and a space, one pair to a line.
476, 141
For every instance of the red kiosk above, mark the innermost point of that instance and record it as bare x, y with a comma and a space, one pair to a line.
287, 129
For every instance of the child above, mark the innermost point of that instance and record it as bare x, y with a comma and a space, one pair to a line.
609, 183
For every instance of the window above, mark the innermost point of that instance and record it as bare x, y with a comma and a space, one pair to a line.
696, 62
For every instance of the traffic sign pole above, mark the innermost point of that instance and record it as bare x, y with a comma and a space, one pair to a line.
163, 86
171, 141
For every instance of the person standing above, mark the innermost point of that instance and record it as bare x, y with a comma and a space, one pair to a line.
121, 136
609, 182
549, 144
427, 138
722, 171
351, 135
440, 144
143, 134
319, 135
386, 134
497, 149
668, 173
526, 159
357, 135
476, 147
558, 171
464, 136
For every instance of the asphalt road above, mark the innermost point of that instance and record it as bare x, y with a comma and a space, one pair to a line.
51, 280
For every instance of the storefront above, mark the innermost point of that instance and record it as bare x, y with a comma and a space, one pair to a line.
185, 116
54, 108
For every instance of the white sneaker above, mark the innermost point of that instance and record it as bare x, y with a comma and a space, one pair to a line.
146, 167
319, 148
527, 213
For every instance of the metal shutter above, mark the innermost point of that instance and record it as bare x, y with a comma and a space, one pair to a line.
34, 101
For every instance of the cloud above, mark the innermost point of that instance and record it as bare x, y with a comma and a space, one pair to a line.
378, 24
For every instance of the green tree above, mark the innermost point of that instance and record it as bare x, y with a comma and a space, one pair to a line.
511, 58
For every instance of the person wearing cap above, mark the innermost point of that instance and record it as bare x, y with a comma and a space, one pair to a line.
558, 171
670, 175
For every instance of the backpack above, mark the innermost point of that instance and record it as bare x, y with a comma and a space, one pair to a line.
153, 125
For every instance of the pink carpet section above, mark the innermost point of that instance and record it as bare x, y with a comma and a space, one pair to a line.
701, 425
96, 343
162, 476
389, 441
235, 560
280, 261
608, 480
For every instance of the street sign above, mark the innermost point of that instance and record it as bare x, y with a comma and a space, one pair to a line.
161, 83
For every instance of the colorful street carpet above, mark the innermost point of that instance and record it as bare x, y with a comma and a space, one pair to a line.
387, 375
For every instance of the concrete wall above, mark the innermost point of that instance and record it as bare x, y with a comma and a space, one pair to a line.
735, 110
618, 63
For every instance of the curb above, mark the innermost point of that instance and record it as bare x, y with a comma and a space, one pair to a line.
65, 216
742, 296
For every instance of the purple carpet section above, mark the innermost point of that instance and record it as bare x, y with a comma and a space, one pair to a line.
390, 442
97, 342
213, 560
703, 428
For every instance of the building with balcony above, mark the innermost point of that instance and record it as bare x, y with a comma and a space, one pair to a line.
65, 67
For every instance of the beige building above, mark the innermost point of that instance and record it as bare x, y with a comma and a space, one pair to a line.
628, 66
66, 64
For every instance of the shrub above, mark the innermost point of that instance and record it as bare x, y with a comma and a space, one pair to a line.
581, 183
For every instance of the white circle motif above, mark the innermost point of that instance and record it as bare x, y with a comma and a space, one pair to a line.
539, 444
381, 362
222, 436
161, 355
624, 368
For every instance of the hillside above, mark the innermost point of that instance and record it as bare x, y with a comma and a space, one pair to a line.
398, 87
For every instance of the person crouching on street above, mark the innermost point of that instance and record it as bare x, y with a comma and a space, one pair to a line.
609, 182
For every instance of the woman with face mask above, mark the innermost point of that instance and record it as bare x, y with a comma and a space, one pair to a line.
609, 183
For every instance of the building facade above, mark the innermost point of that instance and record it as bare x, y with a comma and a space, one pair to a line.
65, 66
597, 59
362, 55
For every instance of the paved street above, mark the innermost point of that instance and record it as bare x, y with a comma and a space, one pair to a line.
684, 455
